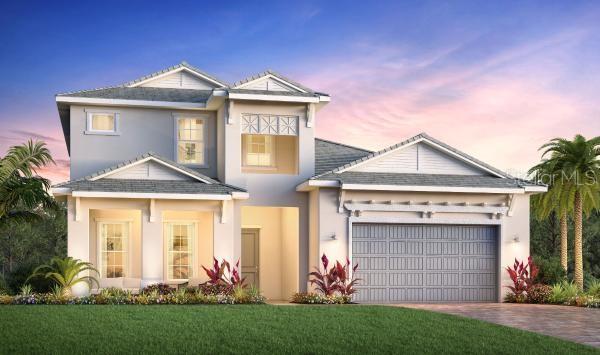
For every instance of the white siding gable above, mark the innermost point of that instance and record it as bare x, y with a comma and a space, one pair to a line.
180, 80
269, 84
149, 170
419, 158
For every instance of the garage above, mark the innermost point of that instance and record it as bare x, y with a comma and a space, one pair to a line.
425, 262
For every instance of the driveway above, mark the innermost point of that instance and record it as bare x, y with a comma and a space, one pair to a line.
581, 325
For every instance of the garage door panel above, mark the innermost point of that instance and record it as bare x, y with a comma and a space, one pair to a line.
406, 279
425, 263
406, 295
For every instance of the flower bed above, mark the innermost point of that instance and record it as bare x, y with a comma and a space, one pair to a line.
317, 298
525, 290
115, 296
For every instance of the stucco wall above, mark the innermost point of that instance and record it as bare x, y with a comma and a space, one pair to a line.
141, 130
275, 190
331, 223
152, 253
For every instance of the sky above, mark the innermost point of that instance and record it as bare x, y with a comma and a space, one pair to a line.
494, 79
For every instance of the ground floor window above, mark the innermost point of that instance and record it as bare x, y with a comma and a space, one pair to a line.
180, 238
113, 250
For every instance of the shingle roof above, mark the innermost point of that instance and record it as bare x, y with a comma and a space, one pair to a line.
149, 186
330, 155
437, 180
145, 93
270, 92
277, 75
182, 64
410, 140
204, 184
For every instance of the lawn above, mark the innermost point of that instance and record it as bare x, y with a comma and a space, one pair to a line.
259, 329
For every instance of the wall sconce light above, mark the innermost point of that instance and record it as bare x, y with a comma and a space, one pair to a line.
333, 237
516, 239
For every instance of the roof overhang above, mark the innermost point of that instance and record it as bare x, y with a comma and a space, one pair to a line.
132, 103
281, 98
314, 184
58, 191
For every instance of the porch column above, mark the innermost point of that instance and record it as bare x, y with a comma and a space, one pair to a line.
152, 244
227, 234
78, 229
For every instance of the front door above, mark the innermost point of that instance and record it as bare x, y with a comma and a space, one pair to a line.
250, 259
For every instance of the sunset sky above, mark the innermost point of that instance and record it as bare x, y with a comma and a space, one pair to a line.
495, 80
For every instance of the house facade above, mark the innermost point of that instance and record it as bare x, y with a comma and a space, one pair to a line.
178, 167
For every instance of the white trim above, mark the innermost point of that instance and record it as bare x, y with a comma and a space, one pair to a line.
89, 129
427, 141
267, 77
427, 208
128, 223
164, 196
177, 70
60, 191
141, 161
238, 195
123, 102
310, 115
152, 211
261, 97
224, 210
251, 226
77, 209
490, 190
194, 223
182, 116
312, 184
536, 188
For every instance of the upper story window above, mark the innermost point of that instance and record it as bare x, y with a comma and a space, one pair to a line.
269, 144
191, 134
259, 150
106, 123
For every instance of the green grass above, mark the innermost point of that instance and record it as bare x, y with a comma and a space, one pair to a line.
259, 329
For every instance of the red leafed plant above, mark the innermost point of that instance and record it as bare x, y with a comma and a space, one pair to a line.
223, 274
345, 281
522, 276
336, 279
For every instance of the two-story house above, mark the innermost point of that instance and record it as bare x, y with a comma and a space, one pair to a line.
177, 167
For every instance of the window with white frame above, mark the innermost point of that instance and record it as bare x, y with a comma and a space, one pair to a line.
258, 150
180, 250
102, 123
113, 248
190, 140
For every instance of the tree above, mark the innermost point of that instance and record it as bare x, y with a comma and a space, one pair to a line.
553, 202
21, 191
578, 164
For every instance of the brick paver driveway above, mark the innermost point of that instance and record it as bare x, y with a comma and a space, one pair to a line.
580, 325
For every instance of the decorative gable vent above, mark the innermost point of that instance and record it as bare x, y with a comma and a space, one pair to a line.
269, 124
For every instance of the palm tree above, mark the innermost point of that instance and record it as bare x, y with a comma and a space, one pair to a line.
65, 272
20, 190
548, 204
577, 165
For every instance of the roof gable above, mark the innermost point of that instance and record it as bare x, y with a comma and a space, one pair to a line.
182, 76
149, 167
439, 157
419, 158
271, 81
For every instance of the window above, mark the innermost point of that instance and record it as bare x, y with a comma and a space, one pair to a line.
258, 150
113, 241
190, 141
106, 123
180, 250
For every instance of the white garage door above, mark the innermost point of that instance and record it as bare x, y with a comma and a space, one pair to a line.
425, 263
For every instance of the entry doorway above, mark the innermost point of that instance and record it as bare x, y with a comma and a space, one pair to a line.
250, 256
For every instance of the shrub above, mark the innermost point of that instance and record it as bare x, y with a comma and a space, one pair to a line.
316, 298
224, 274
512, 298
337, 279
522, 276
594, 288
539, 293
160, 288
215, 289
66, 272
564, 293
587, 301
550, 271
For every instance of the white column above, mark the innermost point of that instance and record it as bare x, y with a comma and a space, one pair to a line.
152, 246
78, 240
